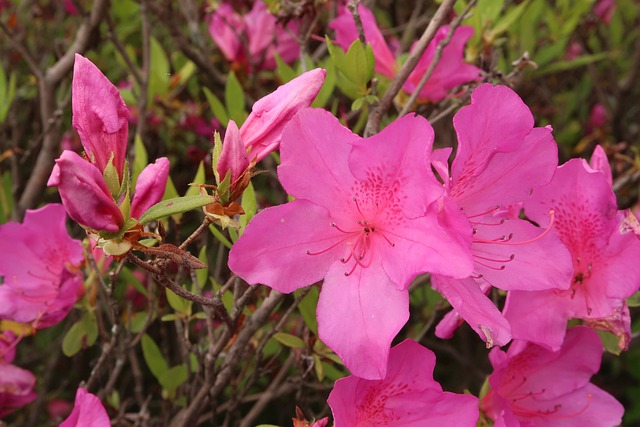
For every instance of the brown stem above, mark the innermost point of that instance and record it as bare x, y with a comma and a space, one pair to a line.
353, 8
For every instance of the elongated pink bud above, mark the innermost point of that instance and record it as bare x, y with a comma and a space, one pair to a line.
234, 154
84, 193
150, 186
99, 115
262, 130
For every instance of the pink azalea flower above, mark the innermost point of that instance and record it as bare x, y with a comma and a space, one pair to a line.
451, 70
262, 131
364, 219
604, 10
89, 195
40, 268
605, 268
87, 411
407, 397
253, 39
532, 386
500, 158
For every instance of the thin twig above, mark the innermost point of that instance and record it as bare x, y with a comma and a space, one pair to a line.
353, 8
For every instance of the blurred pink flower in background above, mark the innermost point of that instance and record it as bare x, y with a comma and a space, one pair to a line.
16, 384
407, 397
253, 39
532, 386
604, 10
40, 267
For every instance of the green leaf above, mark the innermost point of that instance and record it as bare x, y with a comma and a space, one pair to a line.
7, 93
114, 399
288, 340
215, 155
174, 377
234, 98
154, 358
634, 300
508, 19
159, 71
111, 178
6, 197
610, 342
284, 72
127, 276
138, 321
358, 66
203, 273
307, 308
249, 205
488, 10
317, 366
221, 237
198, 179
141, 159
219, 110
174, 206
186, 72
326, 92
178, 303
82, 334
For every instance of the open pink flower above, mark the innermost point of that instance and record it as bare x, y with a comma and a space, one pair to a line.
40, 268
87, 411
451, 70
501, 157
364, 219
605, 259
253, 39
89, 190
532, 386
407, 397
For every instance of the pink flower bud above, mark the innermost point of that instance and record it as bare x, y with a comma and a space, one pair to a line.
262, 130
84, 193
150, 186
234, 154
99, 115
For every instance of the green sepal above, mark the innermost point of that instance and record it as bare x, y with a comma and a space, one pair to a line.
112, 178
125, 207
215, 155
174, 206
224, 188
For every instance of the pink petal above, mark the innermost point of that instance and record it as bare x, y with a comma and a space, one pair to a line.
262, 131
427, 244
497, 121
314, 155
358, 317
99, 115
472, 304
440, 162
261, 27
234, 155
16, 388
451, 70
150, 186
539, 317
224, 28
619, 270
509, 177
346, 34
84, 193
273, 248
401, 155
540, 263
88, 411
600, 162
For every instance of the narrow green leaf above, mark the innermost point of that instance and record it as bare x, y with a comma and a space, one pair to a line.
178, 303
215, 155
576, 63
221, 237
284, 72
203, 273
508, 19
234, 98
154, 358
159, 71
198, 179
317, 366
249, 205
174, 206
6, 197
288, 340
141, 159
307, 308
219, 110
